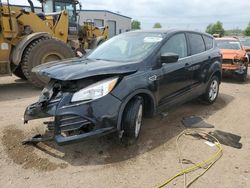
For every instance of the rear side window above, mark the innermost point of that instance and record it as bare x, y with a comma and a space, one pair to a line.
176, 44
196, 43
208, 42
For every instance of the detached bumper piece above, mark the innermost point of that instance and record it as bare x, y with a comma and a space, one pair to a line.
72, 128
36, 139
65, 129
63, 140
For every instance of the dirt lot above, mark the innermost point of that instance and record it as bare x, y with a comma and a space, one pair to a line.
104, 163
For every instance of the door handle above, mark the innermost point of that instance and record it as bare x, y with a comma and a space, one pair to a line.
187, 64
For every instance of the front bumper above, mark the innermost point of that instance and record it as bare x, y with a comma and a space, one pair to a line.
238, 69
75, 122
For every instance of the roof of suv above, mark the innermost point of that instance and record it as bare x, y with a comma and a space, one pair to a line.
166, 31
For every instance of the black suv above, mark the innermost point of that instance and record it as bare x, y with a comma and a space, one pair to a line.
130, 76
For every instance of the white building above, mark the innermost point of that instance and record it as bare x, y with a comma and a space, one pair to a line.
117, 23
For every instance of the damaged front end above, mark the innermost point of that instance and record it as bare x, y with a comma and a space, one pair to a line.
73, 121
46, 105
236, 66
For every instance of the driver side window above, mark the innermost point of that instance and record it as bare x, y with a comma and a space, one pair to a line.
176, 44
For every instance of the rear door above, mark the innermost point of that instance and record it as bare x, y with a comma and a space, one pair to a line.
175, 78
200, 58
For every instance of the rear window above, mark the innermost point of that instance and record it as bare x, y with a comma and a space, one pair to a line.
208, 42
196, 43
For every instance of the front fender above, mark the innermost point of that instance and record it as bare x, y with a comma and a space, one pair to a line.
215, 67
128, 98
18, 50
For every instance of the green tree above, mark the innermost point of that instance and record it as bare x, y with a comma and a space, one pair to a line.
247, 30
209, 29
157, 25
135, 24
216, 28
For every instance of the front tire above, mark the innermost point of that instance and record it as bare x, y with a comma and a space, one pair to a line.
132, 120
212, 90
243, 77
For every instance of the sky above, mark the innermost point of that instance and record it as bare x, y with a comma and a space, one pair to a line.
182, 14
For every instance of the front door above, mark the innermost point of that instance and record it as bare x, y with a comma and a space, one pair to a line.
176, 77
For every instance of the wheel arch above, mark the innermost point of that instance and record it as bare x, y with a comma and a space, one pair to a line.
215, 69
149, 103
218, 74
18, 50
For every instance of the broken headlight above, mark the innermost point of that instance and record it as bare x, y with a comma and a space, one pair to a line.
237, 61
95, 91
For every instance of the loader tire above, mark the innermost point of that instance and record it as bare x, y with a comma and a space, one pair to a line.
19, 73
43, 50
96, 42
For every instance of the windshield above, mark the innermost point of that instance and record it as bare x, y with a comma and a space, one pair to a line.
59, 6
126, 47
48, 6
245, 42
229, 44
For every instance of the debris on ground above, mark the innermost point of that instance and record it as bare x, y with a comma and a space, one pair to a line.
227, 139
195, 122
224, 138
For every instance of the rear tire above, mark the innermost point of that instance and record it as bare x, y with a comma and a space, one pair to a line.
41, 51
132, 120
212, 90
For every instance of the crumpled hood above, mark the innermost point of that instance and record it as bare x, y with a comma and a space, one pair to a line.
74, 69
233, 54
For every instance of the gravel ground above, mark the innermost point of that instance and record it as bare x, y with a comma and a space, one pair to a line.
104, 163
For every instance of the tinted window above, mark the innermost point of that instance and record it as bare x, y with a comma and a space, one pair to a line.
176, 44
196, 43
208, 42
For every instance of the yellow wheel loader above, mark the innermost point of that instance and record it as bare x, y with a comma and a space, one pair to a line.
28, 39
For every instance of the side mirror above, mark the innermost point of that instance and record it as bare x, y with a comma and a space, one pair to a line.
169, 58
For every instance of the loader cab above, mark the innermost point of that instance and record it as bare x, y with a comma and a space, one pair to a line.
50, 6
